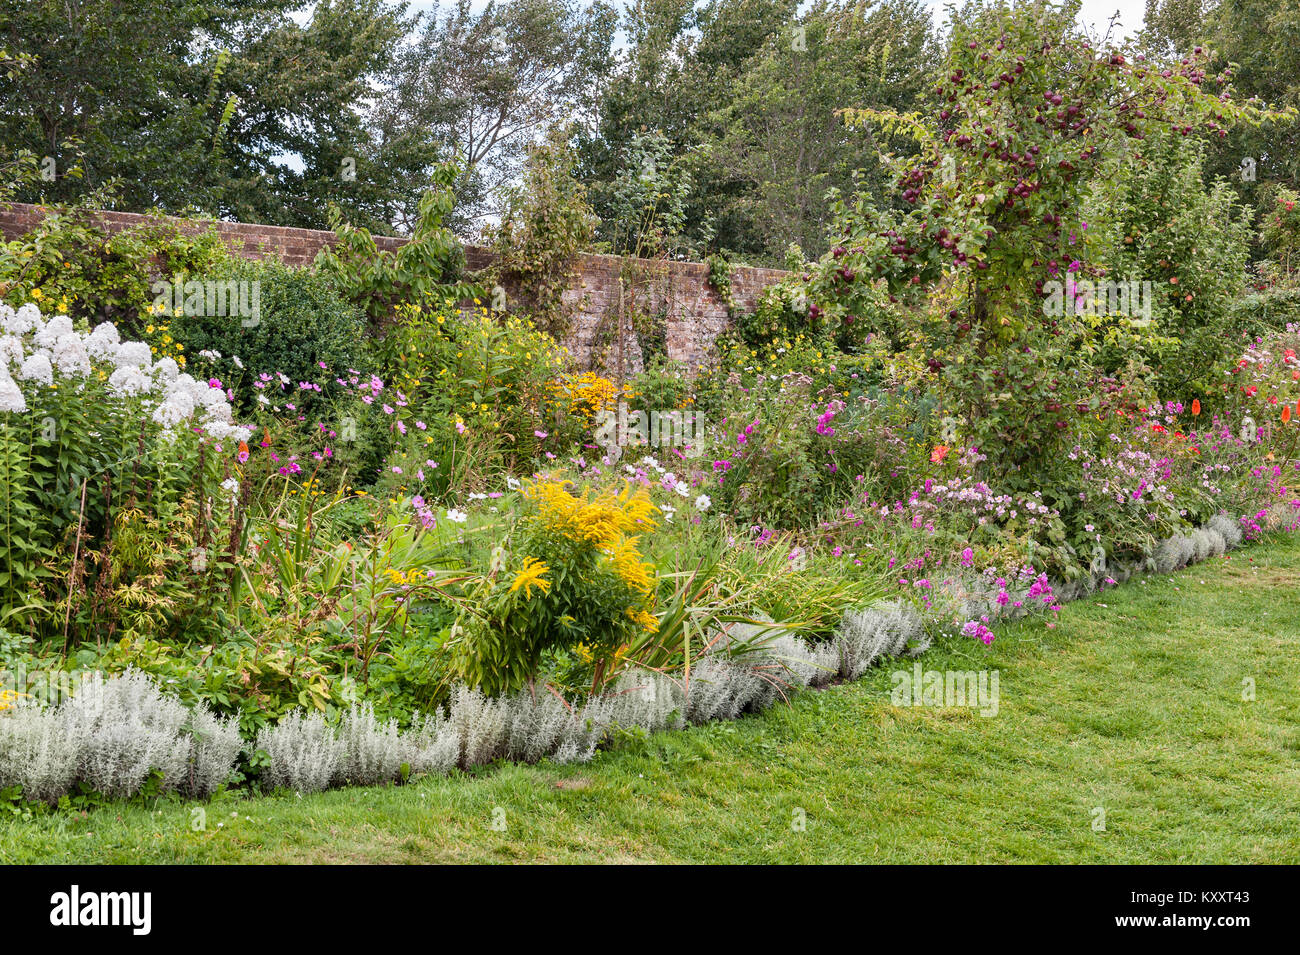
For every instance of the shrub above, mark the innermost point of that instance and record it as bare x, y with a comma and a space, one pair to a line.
1160, 224
376, 752
303, 753
889, 629
125, 728
36, 753
302, 322
215, 746
423, 271
573, 576
69, 263
474, 384
546, 223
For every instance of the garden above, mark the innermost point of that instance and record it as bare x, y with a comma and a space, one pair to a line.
269, 529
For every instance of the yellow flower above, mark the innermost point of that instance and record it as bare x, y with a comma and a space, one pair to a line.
647, 620
627, 562
599, 520
530, 576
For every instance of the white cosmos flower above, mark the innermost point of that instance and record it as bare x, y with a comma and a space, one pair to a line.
460, 517
703, 502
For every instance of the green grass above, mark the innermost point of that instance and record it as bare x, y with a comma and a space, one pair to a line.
1132, 703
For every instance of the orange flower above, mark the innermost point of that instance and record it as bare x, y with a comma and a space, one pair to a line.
1196, 406
939, 453
1286, 413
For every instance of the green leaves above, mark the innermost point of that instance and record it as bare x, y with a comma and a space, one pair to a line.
423, 271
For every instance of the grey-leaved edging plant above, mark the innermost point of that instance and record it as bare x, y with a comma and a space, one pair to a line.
115, 732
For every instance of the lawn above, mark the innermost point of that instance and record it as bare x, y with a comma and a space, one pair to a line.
1131, 706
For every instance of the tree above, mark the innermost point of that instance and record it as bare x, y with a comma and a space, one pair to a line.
230, 108
298, 140
780, 142
546, 223
1025, 115
1258, 40
136, 100
675, 71
483, 87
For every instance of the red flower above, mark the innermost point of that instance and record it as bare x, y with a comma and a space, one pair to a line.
1196, 406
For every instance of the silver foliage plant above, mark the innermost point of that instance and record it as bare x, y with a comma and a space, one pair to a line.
36, 754
112, 734
971, 599
746, 669
886, 630
303, 753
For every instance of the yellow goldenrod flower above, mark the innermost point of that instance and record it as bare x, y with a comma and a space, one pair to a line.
530, 576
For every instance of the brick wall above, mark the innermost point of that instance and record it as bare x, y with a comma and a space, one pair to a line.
678, 293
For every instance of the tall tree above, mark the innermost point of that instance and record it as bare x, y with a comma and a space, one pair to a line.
482, 87
230, 107
135, 99
299, 138
676, 69
779, 143
1261, 37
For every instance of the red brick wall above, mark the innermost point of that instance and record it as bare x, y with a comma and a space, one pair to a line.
694, 313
